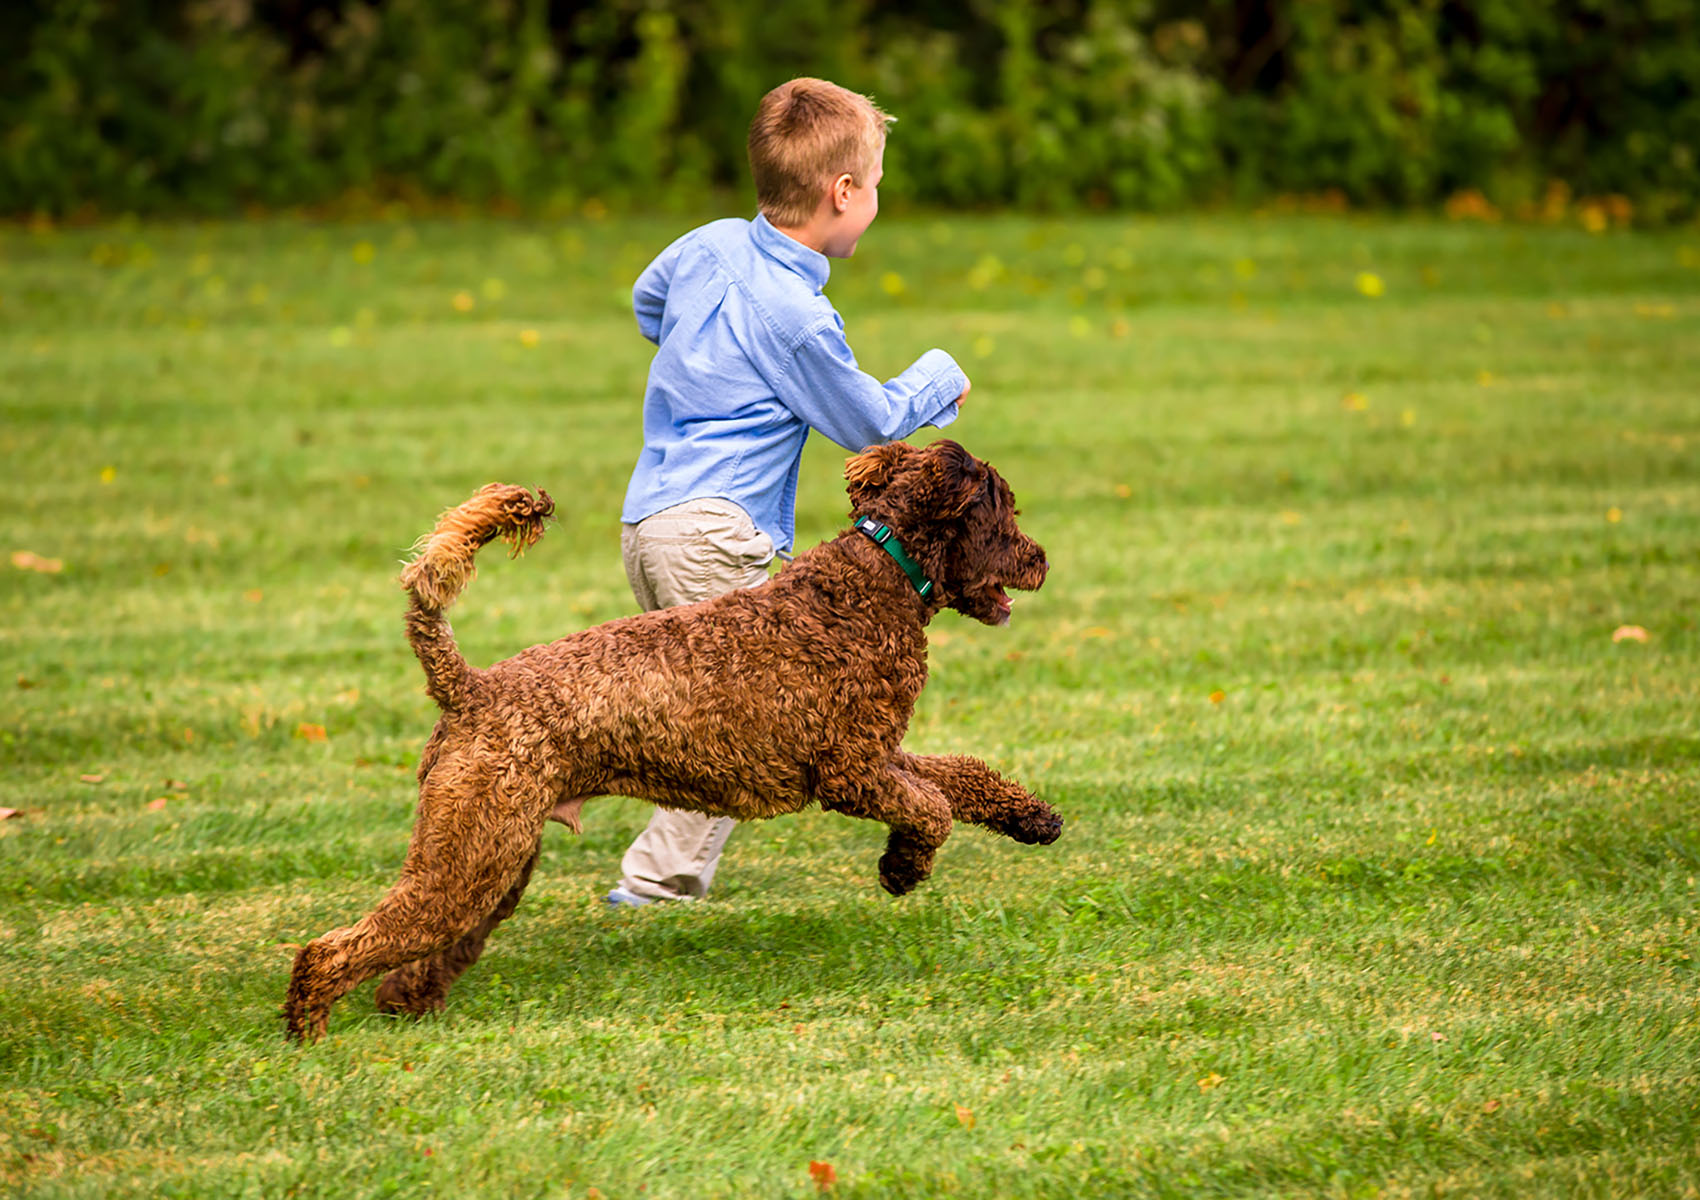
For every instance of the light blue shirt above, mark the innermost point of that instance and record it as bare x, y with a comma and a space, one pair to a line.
750, 357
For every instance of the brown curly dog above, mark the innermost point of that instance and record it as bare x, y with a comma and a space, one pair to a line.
749, 705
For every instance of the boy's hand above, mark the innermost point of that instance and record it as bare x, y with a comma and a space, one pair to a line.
967, 386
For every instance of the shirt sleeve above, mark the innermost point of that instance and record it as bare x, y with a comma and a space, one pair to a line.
826, 388
649, 293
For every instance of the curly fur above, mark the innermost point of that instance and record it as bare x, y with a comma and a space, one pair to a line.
752, 704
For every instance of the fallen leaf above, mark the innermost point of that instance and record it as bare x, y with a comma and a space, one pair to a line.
1217, 696
1491, 1106
25, 683
1211, 1080
965, 1116
157, 803
28, 560
91, 778
310, 733
822, 1173
1629, 633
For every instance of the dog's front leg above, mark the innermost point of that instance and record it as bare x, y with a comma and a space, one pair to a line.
979, 795
916, 811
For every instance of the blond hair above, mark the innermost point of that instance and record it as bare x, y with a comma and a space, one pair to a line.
806, 133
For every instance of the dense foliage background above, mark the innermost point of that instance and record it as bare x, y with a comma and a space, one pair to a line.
206, 105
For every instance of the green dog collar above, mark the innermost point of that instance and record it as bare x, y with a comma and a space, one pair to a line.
887, 541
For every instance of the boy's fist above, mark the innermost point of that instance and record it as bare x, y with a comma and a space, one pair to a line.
967, 386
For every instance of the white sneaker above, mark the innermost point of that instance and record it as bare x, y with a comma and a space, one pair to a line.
620, 897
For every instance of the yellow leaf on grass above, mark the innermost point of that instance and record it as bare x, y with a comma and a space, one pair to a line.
965, 1116
1210, 1081
464, 302
1217, 696
311, 733
1354, 402
529, 338
1614, 514
1629, 633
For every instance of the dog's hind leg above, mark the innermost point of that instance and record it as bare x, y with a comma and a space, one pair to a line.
980, 796
422, 986
450, 884
916, 811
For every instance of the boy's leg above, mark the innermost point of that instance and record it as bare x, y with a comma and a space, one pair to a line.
690, 552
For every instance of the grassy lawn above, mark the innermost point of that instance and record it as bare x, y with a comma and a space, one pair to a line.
1380, 870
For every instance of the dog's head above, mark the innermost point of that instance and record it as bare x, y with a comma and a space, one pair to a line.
955, 516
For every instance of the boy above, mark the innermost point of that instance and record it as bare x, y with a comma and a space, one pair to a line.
751, 356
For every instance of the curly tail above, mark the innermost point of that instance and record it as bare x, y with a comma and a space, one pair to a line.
443, 565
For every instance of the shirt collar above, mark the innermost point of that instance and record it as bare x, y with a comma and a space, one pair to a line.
787, 251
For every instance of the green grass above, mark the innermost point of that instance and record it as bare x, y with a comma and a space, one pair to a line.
1380, 870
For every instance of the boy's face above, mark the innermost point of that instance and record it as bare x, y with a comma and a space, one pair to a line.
856, 207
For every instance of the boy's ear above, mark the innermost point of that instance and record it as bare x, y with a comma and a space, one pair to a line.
868, 472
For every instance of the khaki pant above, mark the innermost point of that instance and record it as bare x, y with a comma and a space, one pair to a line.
692, 551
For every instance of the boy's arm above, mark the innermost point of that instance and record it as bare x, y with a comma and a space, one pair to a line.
649, 293
826, 388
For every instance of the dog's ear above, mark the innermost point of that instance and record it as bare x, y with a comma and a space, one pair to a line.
955, 477
871, 470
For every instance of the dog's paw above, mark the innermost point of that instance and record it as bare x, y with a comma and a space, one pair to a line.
902, 870
1038, 825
